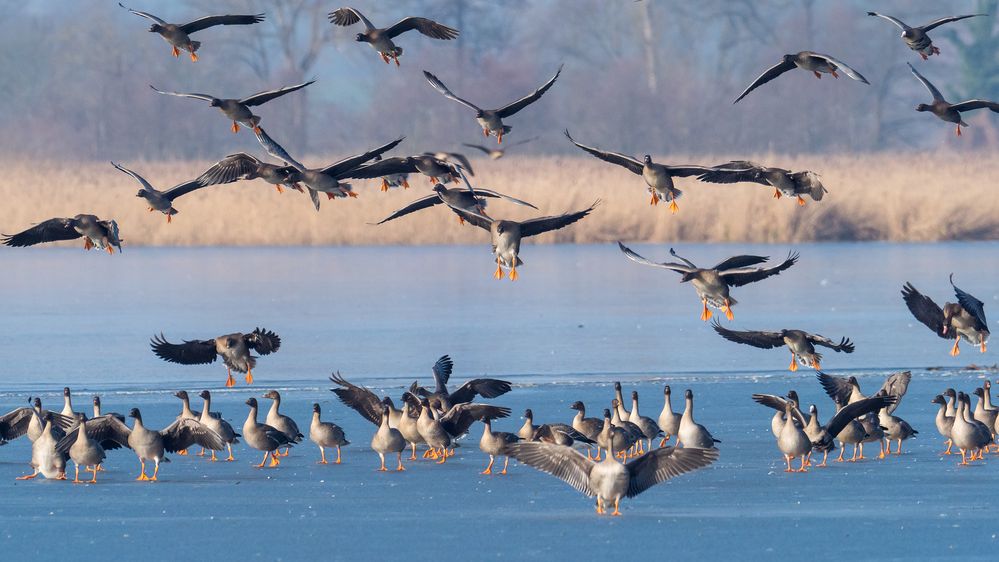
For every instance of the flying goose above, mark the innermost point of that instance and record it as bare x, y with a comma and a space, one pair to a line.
816, 63
238, 110
242, 166
507, 234
916, 38
713, 284
326, 434
658, 177
497, 153
486, 388
162, 201
281, 422
455, 197
847, 389
491, 120
949, 112
429, 164
96, 233
800, 343
963, 319
179, 35
263, 437
233, 348
380, 39
610, 480
215, 422
784, 182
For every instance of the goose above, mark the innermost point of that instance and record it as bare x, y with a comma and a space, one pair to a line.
561, 434
388, 440
844, 425
45, 459
67, 403
491, 120
589, 427
816, 63
875, 432
964, 319
967, 436
434, 435
610, 480
486, 388
778, 404
713, 284
614, 439
800, 343
179, 35
281, 422
984, 412
944, 422
234, 349
847, 389
406, 422
83, 443
30, 421
658, 177
495, 443
152, 445
852, 432
619, 408
497, 153
242, 166
186, 413
528, 430
461, 198
916, 38
669, 421
507, 234
380, 39
263, 437
951, 395
457, 420
784, 182
814, 430
635, 434
428, 163
215, 422
692, 434
648, 426
238, 110
162, 201
363, 401
96, 233
326, 434
981, 427
895, 429
792, 441
946, 111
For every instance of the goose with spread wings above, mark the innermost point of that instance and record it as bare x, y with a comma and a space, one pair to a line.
96, 233
658, 177
162, 201
484, 387
179, 35
497, 153
491, 120
963, 319
323, 180
800, 343
429, 164
816, 63
242, 166
917, 38
713, 284
846, 390
946, 111
238, 110
784, 182
507, 234
609, 480
380, 39
233, 348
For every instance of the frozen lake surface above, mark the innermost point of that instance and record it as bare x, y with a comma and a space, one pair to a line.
579, 318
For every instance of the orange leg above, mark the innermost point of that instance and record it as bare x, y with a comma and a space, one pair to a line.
924, 56
249, 376
673, 207
498, 274
506, 462
229, 380
513, 272
705, 313
352, 194
801, 202
443, 456
28, 476
395, 57
958, 130
194, 57
956, 350
817, 75
617, 511
398, 458
787, 459
777, 194
794, 363
655, 199
405, 184
235, 127
279, 188
274, 459
499, 137
385, 185
337, 461
816, 366
727, 309
176, 52
329, 196
982, 345
87, 244
461, 220
485, 132
386, 59
834, 74
169, 218
489, 467
257, 129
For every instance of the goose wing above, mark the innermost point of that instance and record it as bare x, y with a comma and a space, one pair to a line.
974, 306
262, 341
560, 461
744, 276
264, 97
184, 433
637, 258
228, 19
486, 388
762, 340
896, 385
623, 160
527, 100
146, 15
196, 96
941, 21
976, 104
843, 66
853, 411
838, 388
937, 96
358, 398
892, 19
418, 205
349, 16
768, 75
191, 352
51, 230
545, 224
427, 27
924, 309
663, 464
844, 345
440, 87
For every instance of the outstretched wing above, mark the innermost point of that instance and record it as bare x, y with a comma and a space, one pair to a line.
142, 181
974, 306
896, 385
418, 205
358, 398
442, 372
229, 169
924, 309
191, 352
460, 417
844, 345
853, 411
491, 193
735, 172
478, 147
941, 21
637, 258
264, 97
51, 230
337, 169
541, 225
838, 388
202, 97
744, 276
976, 104
665, 463
560, 461
528, 99
894, 20
211, 21
15, 424
768, 75
844, 67
184, 433
622, 160
773, 401
450, 156
262, 341
736, 262
184, 188
278, 151
762, 340
384, 167
428, 27
440, 87
486, 388
349, 16
146, 15
937, 96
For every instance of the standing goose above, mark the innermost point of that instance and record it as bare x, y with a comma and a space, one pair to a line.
669, 421
152, 445
784, 182
495, 443
434, 435
233, 348
406, 423
67, 403
326, 434
162, 201
491, 120
816, 63
242, 166
281, 422
589, 427
949, 112
984, 411
814, 430
619, 408
896, 429
779, 405
648, 426
238, 110
389, 440
507, 234
800, 343
528, 431
454, 197
83, 443
635, 434
847, 389
963, 319
263, 437
215, 422
96, 233
658, 177
844, 426
380, 39
45, 458
179, 35
610, 480
692, 434
186, 413
497, 153
875, 432
614, 439
944, 422
792, 441
713, 284
30, 420
851, 433
967, 436
916, 38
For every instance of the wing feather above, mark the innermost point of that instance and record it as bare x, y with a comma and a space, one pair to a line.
665, 463
541, 225
768, 75
527, 100
560, 461
762, 340
191, 352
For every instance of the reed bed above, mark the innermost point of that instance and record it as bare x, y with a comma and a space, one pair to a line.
892, 197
